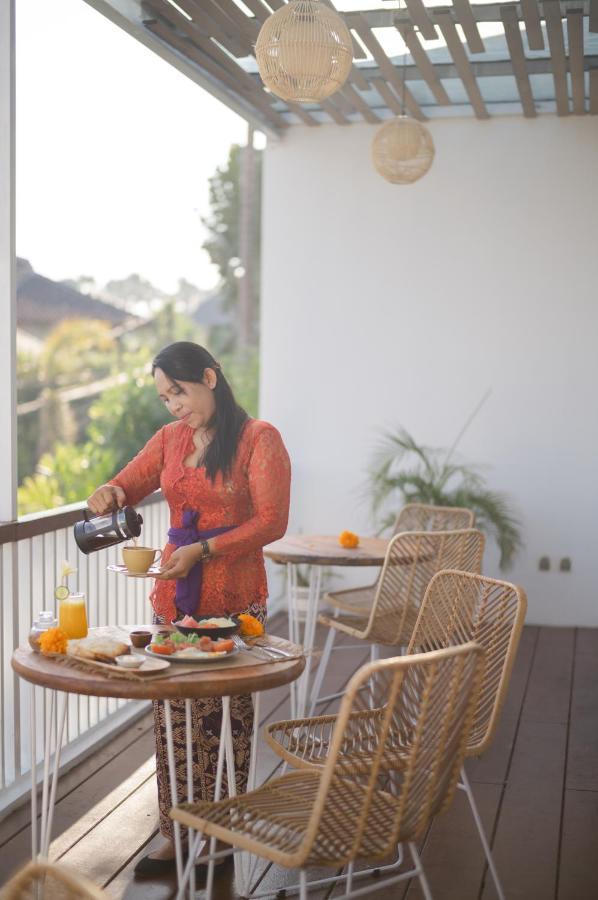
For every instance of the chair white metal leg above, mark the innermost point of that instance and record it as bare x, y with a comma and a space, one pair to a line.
349, 884
419, 869
315, 692
190, 867
465, 786
303, 884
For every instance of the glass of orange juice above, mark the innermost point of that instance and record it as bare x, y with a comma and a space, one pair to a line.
72, 616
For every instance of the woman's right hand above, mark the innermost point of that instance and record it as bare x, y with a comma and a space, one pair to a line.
106, 498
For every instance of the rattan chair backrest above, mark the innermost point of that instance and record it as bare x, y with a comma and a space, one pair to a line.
425, 517
418, 711
412, 559
460, 607
51, 881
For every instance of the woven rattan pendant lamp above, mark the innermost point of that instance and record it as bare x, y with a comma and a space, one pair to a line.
304, 51
402, 150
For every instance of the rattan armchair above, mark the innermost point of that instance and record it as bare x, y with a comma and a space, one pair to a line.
412, 558
43, 879
458, 607
413, 517
343, 813
461, 607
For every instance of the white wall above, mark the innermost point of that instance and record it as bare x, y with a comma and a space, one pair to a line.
385, 305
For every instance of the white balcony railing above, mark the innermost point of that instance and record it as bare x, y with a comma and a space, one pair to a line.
31, 554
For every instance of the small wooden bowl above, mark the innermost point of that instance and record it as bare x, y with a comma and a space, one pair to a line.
140, 639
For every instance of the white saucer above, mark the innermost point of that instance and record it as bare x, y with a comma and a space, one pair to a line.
122, 570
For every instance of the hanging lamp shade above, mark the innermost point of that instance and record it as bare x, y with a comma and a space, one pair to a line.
402, 150
304, 51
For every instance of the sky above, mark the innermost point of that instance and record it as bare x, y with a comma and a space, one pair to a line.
114, 151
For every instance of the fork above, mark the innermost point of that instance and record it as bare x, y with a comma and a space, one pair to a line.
268, 651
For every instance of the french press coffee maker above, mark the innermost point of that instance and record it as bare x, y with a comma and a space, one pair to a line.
96, 532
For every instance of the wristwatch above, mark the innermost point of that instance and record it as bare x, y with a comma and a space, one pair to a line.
205, 549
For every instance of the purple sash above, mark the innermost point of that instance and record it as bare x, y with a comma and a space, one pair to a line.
188, 590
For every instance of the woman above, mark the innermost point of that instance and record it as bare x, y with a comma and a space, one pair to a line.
226, 479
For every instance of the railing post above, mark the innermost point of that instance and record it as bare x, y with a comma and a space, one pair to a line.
8, 330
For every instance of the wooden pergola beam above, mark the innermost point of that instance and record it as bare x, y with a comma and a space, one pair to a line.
334, 112
469, 25
388, 70
359, 104
518, 61
449, 32
422, 61
388, 96
490, 69
556, 44
576, 64
533, 26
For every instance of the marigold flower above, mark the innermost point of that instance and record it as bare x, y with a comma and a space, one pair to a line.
348, 540
250, 626
54, 640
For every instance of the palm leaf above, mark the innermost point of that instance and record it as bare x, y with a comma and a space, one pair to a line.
402, 468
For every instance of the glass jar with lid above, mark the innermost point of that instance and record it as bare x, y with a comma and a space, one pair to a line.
45, 620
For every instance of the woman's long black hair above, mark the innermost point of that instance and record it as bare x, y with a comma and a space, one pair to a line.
186, 361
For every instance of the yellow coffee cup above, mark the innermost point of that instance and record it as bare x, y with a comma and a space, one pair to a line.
139, 559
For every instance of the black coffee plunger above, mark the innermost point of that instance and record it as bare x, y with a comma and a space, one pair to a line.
96, 532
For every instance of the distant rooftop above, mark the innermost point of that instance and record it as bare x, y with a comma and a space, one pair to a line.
41, 303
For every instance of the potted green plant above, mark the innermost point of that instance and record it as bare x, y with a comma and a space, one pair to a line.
404, 469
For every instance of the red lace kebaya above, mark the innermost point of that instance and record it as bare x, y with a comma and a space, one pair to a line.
254, 498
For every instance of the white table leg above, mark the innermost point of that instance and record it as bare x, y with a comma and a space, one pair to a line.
224, 730
33, 738
45, 840
293, 614
178, 850
50, 781
48, 724
248, 861
309, 634
232, 792
190, 785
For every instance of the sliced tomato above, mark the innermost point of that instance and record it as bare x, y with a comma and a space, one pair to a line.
223, 646
164, 649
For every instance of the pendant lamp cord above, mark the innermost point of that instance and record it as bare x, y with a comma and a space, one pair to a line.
404, 64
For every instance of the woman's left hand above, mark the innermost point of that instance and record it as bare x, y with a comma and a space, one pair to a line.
180, 563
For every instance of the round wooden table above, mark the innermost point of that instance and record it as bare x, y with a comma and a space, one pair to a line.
317, 551
182, 684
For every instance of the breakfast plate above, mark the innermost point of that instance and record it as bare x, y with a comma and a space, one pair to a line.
198, 656
122, 570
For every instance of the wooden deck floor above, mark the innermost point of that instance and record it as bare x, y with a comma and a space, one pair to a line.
537, 790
